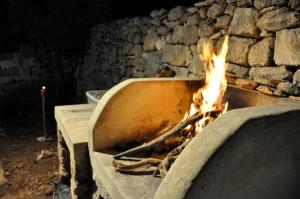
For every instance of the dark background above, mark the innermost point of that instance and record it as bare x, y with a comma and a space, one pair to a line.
64, 24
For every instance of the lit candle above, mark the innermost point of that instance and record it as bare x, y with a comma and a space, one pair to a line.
43, 91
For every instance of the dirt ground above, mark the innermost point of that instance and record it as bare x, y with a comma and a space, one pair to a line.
27, 177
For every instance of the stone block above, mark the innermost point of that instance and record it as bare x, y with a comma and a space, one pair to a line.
243, 23
261, 53
287, 49
244, 3
205, 29
259, 4
279, 73
153, 61
194, 19
246, 83
216, 10
278, 19
149, 43
190, 34
223, 22
230, 9
177, 55
178, 34
158, 13
237, 69
294, 4
196, 65
238, 50
176, 13
296, 77
137, 50
10, 67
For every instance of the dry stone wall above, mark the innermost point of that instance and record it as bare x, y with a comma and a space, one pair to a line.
264, 45
22, 74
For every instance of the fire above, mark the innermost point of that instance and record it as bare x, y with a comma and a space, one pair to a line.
210, 96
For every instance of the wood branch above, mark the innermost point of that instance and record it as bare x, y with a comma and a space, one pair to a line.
175, 130
166, 164
138, 166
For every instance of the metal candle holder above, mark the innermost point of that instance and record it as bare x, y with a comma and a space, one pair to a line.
43, 97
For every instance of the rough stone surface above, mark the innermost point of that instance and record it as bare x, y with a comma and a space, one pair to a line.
296, 77
204, 3
288, 88
153, 62
149, 43
278, 19
176, 55
176, 13
267, 34
203, 12
190, 34
265, 89
178, 34
280, 73
237, 69
238, 50
230, 9
216, 36
137, 50
3, 180
158, 13
268, 82
192, 10
216, 10
285, 87
244, 3
223, 22
259, 4
244, 23
246, 83
160, 43
162, 30
287, 49
196, 66
295, 4
194, 19
205, 29
261, 53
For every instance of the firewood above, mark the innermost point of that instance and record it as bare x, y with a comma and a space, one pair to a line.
137, 166
175, 130
163, 168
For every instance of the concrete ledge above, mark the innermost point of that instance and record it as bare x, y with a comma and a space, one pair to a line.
74, 168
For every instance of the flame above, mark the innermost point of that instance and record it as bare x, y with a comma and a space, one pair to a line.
210, 96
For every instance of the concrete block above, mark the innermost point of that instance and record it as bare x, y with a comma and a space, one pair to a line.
72, 123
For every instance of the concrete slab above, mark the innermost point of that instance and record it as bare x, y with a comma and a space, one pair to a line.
72, 129
116, 185
73, 122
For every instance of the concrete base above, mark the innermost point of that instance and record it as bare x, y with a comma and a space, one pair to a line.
245, 153
112, 184
74, 162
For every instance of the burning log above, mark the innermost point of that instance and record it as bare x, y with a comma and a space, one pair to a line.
175, 130
166, 164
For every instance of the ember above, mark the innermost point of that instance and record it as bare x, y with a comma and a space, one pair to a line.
207, 105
